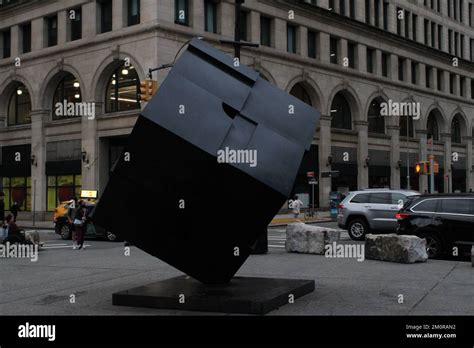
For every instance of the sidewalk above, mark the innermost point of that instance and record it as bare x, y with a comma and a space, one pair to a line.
39, 225
285, 219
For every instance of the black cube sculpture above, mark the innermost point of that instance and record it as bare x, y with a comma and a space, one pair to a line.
211, 160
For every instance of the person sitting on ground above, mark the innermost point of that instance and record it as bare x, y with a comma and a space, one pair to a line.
13, 232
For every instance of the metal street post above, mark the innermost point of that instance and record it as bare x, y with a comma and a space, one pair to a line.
237, 43
432, 167
34, 202
408, 153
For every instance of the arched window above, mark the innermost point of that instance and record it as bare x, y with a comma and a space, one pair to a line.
432, 127
456, 130
67, 91
403, 126
300, 92
341, 115
19, 106
123, 90
376, 120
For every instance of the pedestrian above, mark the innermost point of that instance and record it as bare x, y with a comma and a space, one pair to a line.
80, 225
14, 209
470, 190
13, 232
71, 213
295, 205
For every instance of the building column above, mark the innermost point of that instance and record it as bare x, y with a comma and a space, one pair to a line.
410, 26
467, 53
434, 78
38, 170
347, 5
392, 18
380, 14
63, 28
342, 51
360, 11
323, 43
148, 11
444, 39
422, 156
372, 12
336, 6
279, 34
197, 14
361, 63
90, 144
421, 74
302, 41
14, 41
37, 34
118, 12
436, 34
446, 82
469, 163
407, 70
419, 30
378, 63
324, 151
323, 4
393, 70
254, 27
457, 85
468, 90
90, 23
448, 174
452, 47
429, 33
362, 154
394, 133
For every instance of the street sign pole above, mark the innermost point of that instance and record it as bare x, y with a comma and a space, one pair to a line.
432, 167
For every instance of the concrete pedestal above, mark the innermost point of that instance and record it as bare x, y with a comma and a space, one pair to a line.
241, 295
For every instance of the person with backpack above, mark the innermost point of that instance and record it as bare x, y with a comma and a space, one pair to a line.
79, 222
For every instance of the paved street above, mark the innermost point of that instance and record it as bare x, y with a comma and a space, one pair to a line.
343, 286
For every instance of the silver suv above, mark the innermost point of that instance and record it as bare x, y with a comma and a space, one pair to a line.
371, 210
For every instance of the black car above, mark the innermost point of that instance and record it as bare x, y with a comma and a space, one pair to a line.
444, 220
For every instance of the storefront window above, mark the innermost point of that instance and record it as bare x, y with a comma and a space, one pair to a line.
62, 188
17, 189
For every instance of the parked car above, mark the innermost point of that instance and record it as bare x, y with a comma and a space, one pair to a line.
444, 220
64, 228
371, 211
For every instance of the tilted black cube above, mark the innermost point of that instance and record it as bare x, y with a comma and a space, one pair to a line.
172, 196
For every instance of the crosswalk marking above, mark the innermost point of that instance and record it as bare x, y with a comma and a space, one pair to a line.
64, 246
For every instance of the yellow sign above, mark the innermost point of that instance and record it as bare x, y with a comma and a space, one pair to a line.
88, 194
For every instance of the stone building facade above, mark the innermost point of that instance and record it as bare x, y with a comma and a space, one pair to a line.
346, 58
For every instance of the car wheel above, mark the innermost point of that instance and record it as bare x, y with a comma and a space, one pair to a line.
357, 229
434, 247
110, 236
65, 232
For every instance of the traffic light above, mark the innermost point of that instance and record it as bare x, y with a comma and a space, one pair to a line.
148, 89
418, 168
